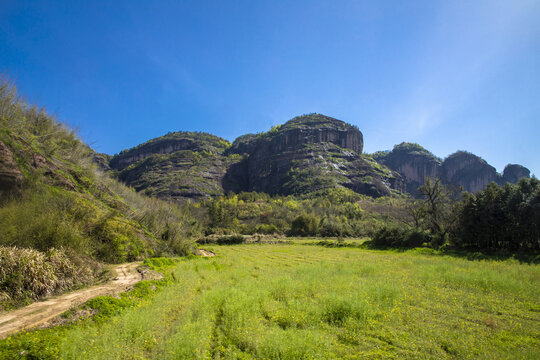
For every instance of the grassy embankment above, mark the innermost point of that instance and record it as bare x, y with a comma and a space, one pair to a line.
306, 302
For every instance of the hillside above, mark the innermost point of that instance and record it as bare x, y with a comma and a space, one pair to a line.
61, 213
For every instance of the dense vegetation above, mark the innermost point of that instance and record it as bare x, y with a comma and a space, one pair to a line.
330, 212
501, 217
310, 302
64, 201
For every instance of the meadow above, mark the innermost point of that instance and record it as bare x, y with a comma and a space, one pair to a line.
292, 301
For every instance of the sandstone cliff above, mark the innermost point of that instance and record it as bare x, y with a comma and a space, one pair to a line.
462, 168
11, 177
513, 172
308, 153
178, 166
413, 162
469, 171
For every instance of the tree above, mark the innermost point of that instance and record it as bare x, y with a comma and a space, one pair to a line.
437, 209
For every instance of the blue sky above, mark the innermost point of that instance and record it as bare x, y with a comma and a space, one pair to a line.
450, 75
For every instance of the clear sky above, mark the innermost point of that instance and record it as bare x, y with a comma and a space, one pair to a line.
450, 75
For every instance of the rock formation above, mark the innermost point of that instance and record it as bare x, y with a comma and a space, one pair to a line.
513, 172
462, 168
469, 171
11, 178
413, 162
308, 153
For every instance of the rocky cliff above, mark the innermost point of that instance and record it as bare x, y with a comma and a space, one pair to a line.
413, 162
469, 171
462, 168
176, 166
11, 177
308, 153
513, 172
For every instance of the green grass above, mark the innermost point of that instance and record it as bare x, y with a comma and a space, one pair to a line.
312, 302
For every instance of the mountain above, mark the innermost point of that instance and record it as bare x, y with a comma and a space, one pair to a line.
178, 165
461, 168
306, 154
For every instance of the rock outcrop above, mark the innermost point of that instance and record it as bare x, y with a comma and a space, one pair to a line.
413, 162
469, 171
178, 166
308, 153
513, 173
462, 168
11, 178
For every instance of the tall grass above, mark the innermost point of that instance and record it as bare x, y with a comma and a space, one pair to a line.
27, 275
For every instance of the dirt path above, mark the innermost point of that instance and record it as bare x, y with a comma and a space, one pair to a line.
206, 253
40, 313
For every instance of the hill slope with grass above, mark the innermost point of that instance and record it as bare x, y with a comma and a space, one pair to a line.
53, 196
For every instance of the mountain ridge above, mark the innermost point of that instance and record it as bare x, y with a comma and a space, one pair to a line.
307, 153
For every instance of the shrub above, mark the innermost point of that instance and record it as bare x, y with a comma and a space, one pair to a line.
27, 274
305, 225
399, 237
230, 240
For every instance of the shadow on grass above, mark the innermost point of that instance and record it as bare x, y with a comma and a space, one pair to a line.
469, 254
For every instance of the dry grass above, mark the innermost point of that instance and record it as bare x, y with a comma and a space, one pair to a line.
27, 274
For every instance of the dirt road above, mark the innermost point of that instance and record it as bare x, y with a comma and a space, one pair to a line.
40, 313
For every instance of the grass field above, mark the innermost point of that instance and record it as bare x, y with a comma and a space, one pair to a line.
312, 302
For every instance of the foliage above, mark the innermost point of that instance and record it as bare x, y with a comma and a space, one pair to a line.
305, 225
68, 202
437, 209
400, 237
331, 212
501, 218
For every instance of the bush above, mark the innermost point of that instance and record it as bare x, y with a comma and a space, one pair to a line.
230, 240
27, 274
399, 237
305, 225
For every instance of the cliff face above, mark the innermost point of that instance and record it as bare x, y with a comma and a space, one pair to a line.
308, 153
176, 166
168, 144
11, 177
468, 170
413, 162
513, 172
462, 168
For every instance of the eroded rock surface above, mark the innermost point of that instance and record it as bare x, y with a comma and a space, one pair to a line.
11, 178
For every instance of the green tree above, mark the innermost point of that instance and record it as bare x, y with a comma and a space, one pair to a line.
437, 209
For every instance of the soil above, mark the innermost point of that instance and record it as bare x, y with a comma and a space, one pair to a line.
206, 253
